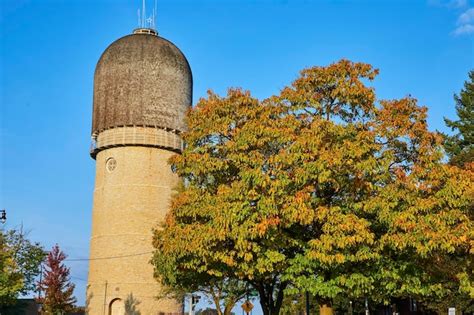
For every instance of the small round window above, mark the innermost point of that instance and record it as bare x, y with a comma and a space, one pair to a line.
111, 164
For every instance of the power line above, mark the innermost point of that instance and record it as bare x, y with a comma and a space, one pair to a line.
110, 257
80, 279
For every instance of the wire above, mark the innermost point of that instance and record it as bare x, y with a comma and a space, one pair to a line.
110, 257
80, 279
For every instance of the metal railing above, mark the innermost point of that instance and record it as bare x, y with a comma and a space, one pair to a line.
136, 135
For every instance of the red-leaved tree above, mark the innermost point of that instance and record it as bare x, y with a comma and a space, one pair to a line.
56, 284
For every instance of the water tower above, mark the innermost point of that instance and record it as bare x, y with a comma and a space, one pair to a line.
142, 90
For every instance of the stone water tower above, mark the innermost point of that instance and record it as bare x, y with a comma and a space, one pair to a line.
142, 89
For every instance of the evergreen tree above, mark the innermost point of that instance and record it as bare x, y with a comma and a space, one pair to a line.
460, 147
56, 284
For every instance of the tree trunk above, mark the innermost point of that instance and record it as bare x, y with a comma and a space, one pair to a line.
269, 305
228, 308
217, 301
326, 309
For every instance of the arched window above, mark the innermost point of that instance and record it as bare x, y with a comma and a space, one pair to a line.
116, 307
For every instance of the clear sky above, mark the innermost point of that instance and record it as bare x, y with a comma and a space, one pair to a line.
49, 50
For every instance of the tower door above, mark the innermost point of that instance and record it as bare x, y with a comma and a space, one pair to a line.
116, 307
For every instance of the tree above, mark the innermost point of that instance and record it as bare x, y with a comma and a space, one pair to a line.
321, 189
460, 150
460, 147
221, 291
56, 284
295, 304
381, 203
19, 265
197, 228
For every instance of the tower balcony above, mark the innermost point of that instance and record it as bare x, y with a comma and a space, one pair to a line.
149, 136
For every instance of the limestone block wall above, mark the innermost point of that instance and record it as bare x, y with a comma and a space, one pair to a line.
133, 187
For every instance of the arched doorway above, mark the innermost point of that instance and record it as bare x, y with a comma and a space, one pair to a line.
116, 307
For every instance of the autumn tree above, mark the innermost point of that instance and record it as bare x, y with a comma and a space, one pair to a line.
214, 229
295, 304
223, 291
460, 146
19, 265
379, 201
460, 150
322, 188
56, 284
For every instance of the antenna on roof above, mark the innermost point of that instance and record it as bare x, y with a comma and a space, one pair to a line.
154, 16
146, 24
139, 18
143, 14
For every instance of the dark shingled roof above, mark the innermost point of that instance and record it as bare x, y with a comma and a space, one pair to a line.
141, 79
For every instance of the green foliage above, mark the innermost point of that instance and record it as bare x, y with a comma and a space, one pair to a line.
19, 265
222, 291
321, 189
460, 147
295, 304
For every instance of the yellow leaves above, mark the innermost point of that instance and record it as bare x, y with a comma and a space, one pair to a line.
317, 179
265, 224
228, 260
337, 90
248, 257
430, 220
401, 116
322, 212
343, 236
403, 124
298, 208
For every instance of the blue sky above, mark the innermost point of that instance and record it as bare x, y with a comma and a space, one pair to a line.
49, 50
